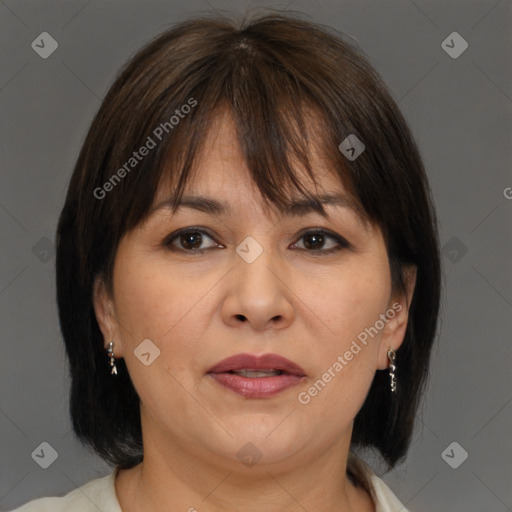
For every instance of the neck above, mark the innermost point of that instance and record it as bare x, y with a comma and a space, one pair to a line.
170, 479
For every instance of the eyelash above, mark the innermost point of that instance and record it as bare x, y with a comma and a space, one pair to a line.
342, 243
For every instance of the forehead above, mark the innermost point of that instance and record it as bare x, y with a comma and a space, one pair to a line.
220, 169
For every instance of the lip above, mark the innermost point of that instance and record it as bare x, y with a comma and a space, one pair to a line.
262, 387
253, 362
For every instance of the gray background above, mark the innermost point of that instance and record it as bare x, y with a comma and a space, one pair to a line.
459, 110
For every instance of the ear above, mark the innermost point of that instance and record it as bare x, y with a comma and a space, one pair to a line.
393, 332
105, 316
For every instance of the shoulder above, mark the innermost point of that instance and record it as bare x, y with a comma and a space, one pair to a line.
98, 494
384, 498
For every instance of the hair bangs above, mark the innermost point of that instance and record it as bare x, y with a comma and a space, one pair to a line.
278, 126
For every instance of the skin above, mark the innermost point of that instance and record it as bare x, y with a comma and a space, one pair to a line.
199, 309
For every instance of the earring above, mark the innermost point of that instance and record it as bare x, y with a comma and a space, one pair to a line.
111, 355
392, 368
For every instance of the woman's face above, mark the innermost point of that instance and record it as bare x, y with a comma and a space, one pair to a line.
250, 283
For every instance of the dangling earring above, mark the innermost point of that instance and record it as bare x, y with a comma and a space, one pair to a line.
111, 355
392, 368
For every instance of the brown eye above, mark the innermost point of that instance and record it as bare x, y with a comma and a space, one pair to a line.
188, 240
191, 240
315, 240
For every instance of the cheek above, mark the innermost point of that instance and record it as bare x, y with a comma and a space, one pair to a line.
147, 308
347, 302
346, 345
164, 307
150, 300
139, 300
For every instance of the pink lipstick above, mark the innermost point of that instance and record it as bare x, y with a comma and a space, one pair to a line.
257, 376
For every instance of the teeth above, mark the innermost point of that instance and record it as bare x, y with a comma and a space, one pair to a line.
257, 373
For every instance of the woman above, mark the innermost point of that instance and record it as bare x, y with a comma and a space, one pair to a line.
248, 276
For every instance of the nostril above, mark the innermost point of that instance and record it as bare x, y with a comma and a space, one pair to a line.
241, 317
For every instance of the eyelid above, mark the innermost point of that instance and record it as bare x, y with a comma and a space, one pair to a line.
167, 241
341, 241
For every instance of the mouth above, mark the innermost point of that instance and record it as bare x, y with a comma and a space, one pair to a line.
257, 376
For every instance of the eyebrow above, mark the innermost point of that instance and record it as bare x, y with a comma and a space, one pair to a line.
297, 208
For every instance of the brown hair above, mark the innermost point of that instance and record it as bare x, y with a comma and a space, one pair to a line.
281, 78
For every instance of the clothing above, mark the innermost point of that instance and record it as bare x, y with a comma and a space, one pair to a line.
100, 494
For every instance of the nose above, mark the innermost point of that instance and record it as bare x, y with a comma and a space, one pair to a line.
259, 294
